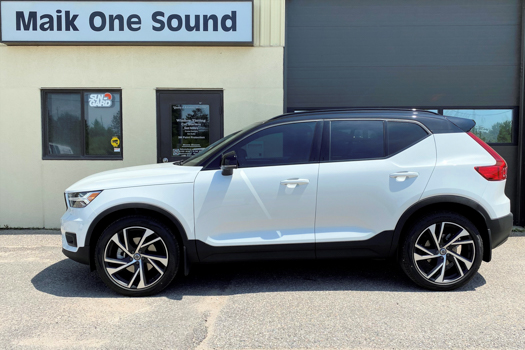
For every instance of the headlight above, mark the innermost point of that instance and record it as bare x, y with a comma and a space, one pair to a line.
81, 199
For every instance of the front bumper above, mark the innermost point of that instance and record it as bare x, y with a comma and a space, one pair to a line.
500, 229
73, 224
81, 255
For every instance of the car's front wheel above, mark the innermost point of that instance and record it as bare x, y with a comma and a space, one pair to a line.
137, 256
442, 251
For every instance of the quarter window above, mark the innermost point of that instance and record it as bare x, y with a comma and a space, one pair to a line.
356, 139
82, 124
278, 145
402, 135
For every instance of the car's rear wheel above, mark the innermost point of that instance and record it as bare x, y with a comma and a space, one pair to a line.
442, 251
137, 256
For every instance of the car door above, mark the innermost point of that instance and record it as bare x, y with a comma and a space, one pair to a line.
371, 171
266, 208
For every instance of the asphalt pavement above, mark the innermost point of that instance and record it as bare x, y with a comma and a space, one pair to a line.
50, 302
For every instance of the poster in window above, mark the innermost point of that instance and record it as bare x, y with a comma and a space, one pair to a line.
190, 129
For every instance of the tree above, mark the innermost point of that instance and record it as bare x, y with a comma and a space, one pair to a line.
115, 124
500, 132
505, 132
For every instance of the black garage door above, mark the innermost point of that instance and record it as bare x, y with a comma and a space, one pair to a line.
456, 55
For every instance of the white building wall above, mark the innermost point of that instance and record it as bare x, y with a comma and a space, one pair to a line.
31, 189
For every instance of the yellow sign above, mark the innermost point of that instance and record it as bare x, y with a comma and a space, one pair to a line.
115, 141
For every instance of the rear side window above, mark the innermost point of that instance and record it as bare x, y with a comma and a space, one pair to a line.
356, 139
402, 135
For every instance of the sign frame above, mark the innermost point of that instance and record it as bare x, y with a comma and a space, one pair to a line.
132, 43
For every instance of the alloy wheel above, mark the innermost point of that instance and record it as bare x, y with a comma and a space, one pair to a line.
444, 253
135, 258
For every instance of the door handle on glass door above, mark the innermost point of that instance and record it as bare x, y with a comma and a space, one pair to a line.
403, 175
292, 183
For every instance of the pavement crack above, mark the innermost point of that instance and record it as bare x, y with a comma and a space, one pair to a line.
211, 307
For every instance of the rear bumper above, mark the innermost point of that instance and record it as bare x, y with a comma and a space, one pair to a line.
81, 255
500, 229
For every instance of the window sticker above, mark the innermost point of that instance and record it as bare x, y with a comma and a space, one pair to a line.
115, 142
101, 100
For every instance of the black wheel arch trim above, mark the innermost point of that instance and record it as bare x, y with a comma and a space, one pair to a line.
189, 247
441, 199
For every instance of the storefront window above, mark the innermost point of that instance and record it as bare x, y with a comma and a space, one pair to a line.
492, 125
64, 124
81, 124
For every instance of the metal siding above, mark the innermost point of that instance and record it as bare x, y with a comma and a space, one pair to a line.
269, 22
405, 53
379, 53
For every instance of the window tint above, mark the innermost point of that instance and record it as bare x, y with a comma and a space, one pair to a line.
82, 124
103, 124
492, 125
356, 139
63, 124
282, 144
402, 135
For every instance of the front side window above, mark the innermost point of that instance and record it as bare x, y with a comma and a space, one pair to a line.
80, 124
356, 139
277, 145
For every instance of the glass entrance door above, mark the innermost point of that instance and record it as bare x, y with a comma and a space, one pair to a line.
187, 122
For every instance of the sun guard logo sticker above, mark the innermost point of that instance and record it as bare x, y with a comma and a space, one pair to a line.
101, 100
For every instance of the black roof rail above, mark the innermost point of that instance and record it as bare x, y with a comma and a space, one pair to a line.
339, 110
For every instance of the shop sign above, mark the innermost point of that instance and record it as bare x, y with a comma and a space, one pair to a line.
139, 22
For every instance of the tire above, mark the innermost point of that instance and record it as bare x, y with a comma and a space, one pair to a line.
133, 272
453, 248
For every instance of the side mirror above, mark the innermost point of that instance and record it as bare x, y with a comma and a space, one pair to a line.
228, 163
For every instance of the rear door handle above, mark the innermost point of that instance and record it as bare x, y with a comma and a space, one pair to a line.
403, 175
292, 183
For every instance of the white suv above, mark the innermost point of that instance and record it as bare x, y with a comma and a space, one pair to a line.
407, 184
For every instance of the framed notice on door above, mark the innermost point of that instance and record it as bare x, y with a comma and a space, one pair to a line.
190, 129
187, 122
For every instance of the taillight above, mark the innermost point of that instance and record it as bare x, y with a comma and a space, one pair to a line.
495, 172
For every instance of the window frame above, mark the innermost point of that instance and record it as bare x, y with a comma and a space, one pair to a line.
82, 156
326, 140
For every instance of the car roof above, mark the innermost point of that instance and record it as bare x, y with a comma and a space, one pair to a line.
436, 123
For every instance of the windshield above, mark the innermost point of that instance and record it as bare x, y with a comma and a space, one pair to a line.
205, 153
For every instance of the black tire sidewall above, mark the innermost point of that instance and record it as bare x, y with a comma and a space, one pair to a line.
160, 229
407, 251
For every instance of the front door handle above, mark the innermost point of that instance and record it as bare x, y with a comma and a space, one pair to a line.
292, 183
403, 175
